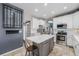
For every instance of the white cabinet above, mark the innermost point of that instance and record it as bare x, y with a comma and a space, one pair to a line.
69, 40
77, 50
76, 46
76, 20
67, 19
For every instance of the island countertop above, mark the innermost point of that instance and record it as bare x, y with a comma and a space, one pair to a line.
40, 38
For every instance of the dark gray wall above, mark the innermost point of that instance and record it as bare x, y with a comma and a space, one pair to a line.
9, 42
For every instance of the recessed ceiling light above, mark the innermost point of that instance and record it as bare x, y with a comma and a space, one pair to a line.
44, 15
65, 7
52, 12
36, 10
45, 4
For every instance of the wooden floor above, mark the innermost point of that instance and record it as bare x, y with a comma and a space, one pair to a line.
58, 50
62, 50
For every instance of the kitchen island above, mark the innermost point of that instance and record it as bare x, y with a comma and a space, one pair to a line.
44, 42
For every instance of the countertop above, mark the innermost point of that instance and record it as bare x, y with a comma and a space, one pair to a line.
39, 38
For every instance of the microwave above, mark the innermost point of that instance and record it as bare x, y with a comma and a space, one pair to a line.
61, 25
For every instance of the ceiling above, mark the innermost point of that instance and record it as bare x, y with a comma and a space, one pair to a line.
47, 10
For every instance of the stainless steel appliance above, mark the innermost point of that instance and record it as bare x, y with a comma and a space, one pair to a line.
61, 36
62, 33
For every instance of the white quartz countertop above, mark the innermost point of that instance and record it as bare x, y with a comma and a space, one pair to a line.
40, 38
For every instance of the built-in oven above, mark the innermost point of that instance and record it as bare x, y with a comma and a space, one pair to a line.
61, 34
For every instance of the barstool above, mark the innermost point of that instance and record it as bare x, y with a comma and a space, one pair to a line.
31, 48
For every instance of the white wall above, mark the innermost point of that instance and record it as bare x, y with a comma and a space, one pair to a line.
35, 25
76, 20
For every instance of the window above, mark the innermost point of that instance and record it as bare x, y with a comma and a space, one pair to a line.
12, 17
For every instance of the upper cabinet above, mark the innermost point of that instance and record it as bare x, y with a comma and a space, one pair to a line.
67, 19
76, 20
12, 16
72, 20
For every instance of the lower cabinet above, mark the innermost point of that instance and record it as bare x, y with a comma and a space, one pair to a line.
69, 40
45, 47
76, 46
73, 42
51, 44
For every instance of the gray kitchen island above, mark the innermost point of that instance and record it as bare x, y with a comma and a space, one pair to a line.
44, 42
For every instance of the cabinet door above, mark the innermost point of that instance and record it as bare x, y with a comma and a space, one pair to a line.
76, 46
77, 49
69, 40
76, 20
73, 41
51, 43
45, 49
